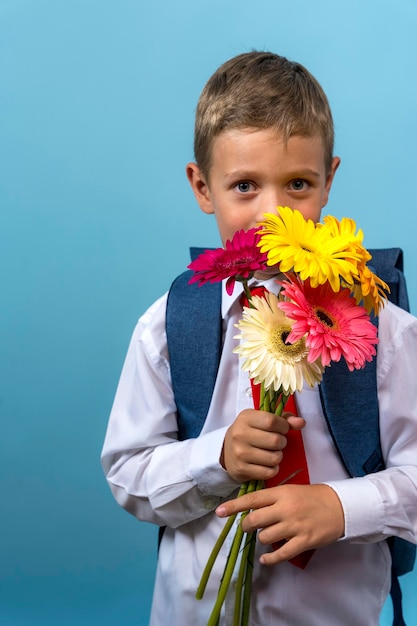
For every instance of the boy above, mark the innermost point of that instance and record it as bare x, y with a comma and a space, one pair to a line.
263, 138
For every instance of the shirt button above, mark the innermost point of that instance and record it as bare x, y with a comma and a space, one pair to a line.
210, 503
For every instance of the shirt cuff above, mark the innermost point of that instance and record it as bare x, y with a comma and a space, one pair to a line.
362, 507
205, 468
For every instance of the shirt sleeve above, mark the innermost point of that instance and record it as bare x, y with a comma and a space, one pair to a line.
383, 504
151, 474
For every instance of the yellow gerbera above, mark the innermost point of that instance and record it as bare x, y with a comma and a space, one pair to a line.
346, 227
370, 290
315, 251
265, 353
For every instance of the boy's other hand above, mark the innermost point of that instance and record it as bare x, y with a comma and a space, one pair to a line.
304, 516
253, 444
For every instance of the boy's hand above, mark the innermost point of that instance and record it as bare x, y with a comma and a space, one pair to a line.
253, 444
305, 516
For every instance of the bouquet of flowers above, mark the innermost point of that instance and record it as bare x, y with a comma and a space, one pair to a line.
321, 314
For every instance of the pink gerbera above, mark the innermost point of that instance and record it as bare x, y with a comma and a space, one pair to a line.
333, 324
239, 260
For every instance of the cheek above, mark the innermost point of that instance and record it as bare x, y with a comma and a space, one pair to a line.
314, 214
226, 230
229, 222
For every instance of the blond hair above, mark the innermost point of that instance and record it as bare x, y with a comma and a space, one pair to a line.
261, 90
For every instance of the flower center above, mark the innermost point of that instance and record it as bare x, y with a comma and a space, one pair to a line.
287, 352
284, 336
232, 264
325, 318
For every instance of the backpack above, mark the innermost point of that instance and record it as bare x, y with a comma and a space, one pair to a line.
198, 360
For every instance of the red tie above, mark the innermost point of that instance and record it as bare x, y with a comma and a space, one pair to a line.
293, 468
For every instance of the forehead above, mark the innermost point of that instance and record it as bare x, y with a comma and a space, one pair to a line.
252, 149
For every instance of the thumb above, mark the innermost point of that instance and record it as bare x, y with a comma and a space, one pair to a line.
295, 422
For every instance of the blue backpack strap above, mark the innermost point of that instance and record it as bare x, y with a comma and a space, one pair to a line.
194, 336
347, 396
388, 264
359, 449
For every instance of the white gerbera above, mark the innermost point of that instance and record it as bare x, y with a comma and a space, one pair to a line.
266, 355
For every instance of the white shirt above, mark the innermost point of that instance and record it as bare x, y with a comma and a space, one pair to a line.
179, 483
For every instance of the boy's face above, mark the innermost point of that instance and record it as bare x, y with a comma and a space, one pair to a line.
254, 170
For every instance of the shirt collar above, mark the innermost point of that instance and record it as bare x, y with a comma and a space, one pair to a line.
228, 301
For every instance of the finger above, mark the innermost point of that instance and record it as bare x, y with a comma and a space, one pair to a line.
289, 549
264, 518
246, 454
247, 472
270, 422
267, 440
295, 422
255, 500
260, 458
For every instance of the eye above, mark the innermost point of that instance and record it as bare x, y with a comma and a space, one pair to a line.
244, 186
298, 185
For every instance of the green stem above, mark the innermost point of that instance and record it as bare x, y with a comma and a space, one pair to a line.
281, 404
249, 560
260, 484
216, 549
248, 579
248, 487
247, 291
239, 587
271, 402
242, 579
264, 400
227, 576
243, 568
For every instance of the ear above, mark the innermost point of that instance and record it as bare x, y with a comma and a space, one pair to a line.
199, 187
329, 179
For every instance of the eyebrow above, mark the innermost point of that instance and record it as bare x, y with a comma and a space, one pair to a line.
305, 174
243, 174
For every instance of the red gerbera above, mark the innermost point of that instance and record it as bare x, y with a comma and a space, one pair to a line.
333, 324
239, 260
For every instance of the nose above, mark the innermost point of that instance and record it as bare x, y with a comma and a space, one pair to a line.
269, 203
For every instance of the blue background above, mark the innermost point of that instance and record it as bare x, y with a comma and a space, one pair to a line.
97, 99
